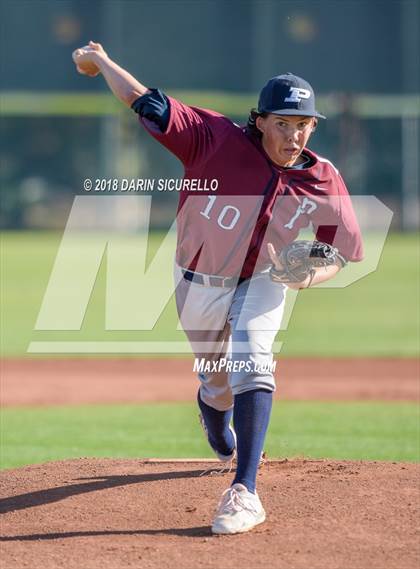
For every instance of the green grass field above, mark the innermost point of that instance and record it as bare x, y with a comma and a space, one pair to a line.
33, 103
369, 431
377, 316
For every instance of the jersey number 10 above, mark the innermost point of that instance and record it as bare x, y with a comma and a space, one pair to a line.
224, 216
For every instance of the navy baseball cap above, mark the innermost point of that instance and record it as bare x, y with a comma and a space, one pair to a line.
288, 95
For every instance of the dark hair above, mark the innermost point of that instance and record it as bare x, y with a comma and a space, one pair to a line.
251, 124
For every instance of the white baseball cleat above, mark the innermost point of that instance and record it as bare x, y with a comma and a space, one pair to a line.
220, 456
238, 511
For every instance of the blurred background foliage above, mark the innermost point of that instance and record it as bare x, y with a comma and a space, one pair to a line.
58, 127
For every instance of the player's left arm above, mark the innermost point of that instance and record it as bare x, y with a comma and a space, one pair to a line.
321, 274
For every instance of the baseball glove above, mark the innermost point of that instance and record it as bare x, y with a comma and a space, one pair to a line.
300, 258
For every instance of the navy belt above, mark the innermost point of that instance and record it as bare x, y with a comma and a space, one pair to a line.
211, 280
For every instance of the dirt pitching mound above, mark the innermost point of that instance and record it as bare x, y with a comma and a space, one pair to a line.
99, 513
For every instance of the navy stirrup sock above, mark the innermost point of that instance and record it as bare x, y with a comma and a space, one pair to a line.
217, 423
251, 415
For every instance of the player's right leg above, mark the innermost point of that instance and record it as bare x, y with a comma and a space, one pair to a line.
203, 315
214, 397
217, 428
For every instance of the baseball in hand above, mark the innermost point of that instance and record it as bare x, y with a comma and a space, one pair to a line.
84, 58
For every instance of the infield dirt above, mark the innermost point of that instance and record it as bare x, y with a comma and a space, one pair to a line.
29, 381
96, 513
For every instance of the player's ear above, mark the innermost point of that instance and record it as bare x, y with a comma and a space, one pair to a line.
314, 124
260, 124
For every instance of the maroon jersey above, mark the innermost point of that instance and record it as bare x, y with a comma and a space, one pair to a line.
225, 232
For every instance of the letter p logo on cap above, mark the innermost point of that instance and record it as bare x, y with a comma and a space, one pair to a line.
297, 94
